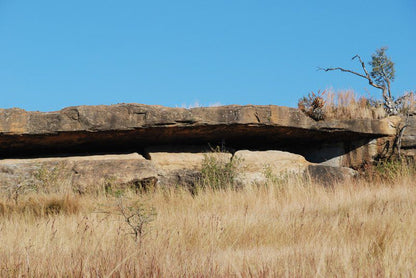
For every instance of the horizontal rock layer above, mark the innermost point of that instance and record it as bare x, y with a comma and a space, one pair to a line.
108, 173
135, 127
80, 173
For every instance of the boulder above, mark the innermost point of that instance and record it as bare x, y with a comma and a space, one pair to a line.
81, 173
259, 166
328, 175
182, 165
409, 138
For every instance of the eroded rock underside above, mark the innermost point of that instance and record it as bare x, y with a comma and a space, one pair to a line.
138, 144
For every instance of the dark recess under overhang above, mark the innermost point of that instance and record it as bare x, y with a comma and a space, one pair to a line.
233, 137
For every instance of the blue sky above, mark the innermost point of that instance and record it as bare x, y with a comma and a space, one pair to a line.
55, 54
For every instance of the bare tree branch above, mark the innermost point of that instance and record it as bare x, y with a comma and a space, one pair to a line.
397, 144
366, 76
344, 70
362, 65
402, 98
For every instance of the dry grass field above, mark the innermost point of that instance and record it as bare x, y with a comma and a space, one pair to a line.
290, 228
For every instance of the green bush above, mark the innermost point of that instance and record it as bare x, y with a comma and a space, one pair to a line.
217, 172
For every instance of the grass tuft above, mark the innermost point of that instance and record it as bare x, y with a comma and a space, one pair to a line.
41, 205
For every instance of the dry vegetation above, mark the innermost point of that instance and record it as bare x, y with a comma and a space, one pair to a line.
348, 105
289, 228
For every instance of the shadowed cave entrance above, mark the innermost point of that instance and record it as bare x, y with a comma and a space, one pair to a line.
315, 145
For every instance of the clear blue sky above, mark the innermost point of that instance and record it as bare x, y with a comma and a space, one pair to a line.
55, 54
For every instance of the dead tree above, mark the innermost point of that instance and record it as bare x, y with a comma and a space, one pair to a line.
380, 77
397, 144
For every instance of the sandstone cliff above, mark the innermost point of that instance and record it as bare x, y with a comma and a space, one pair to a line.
170, 141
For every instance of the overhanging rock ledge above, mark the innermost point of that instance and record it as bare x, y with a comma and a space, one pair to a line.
141, 145
124, 128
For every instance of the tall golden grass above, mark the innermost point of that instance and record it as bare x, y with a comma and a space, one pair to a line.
291, 229
347, 104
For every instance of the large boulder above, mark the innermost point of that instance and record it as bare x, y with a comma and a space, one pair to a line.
408, 142
182, 165
263, 166
80, 173
259, 166
328, 175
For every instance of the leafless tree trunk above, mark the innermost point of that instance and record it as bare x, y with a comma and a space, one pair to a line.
399, 135
390, 105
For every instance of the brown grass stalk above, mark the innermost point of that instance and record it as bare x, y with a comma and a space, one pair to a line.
348, 105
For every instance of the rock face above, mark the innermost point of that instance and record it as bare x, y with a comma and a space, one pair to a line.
155, 144
261, 166
134, 127
327, 175
409, 138
258, 166
81, 174
182, 165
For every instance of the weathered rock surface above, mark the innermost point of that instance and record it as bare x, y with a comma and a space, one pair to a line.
409, 137
182, 165
168, 145
82, 174
111, 172
258, 166
134, 127
131, 116
328, 175
258, 161
261, 166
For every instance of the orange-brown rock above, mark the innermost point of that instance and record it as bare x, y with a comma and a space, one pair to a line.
263, 166
79, 173
126, 128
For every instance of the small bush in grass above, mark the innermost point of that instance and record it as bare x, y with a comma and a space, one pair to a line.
217, 172
53, 178
137, 216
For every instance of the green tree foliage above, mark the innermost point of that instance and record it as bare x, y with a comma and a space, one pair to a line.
382, 71
382, 67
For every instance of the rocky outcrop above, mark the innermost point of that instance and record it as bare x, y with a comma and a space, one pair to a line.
81, 174
328, 175
263, 166
408, 143
133, 127
133, 116
110, 173
139, 145
182, 165
259, 166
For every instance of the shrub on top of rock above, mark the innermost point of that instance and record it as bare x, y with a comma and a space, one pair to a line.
313, 105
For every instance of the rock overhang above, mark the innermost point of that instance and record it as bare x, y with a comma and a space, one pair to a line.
133, 127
